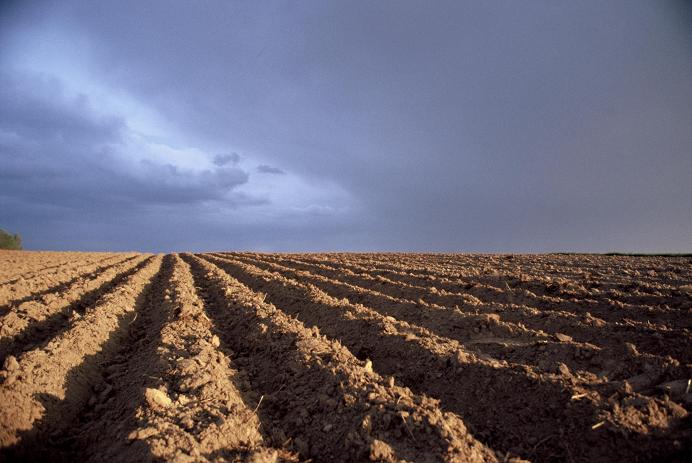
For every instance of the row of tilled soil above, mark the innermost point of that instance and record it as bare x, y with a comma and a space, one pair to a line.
317, 396
26, 264
52, 280
612, 270
516, 333
141, 375
256, 357
47, 386
549, 276
557, 405
655, 304
31, 323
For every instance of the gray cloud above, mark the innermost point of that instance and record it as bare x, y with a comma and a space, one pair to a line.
265, 169
35, 109
58, 152
224, 159
458, 126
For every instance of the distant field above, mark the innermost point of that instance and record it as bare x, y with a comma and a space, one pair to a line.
343, 357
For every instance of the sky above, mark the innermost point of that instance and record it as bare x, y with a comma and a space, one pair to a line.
465, 126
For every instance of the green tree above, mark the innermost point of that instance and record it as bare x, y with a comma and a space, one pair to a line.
9, 241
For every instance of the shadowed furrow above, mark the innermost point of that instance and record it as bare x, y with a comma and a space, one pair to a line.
452, 288
546, 289
169, 388
455, 324
332, 406
466, 384
259, 357
37, 384
37, 323
584, 328
489, 334
25, 290
23, 265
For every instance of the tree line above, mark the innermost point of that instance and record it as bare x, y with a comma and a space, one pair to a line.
9, 240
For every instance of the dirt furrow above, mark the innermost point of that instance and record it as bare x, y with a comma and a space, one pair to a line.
576, 291
48, 386
26, 264
558, 294
34, 323
613, 271
24, 290
454, 324
106, 426
548, 294
588, 329
42, 265
170, 388
616, 270
619, 350
584, 328
550, 419
316, 396
17, 264
486, 333
50, 293
541, 269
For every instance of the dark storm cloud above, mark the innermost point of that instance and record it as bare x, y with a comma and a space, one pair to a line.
452, 126
34, 109
228, 158
57, 151
265, 169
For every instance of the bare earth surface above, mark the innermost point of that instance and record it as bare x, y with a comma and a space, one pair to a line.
344, 357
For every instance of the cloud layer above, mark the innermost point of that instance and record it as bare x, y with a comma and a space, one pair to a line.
469, 127
58, 152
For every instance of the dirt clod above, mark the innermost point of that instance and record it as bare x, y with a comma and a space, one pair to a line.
157, 398
368, 366
380, 451
563, 369
10, 363
631, 349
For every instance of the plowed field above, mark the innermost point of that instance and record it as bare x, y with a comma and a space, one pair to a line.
344, 357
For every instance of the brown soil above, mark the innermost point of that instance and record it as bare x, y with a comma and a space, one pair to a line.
344, 357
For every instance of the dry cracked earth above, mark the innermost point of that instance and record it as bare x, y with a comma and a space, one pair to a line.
344, 357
